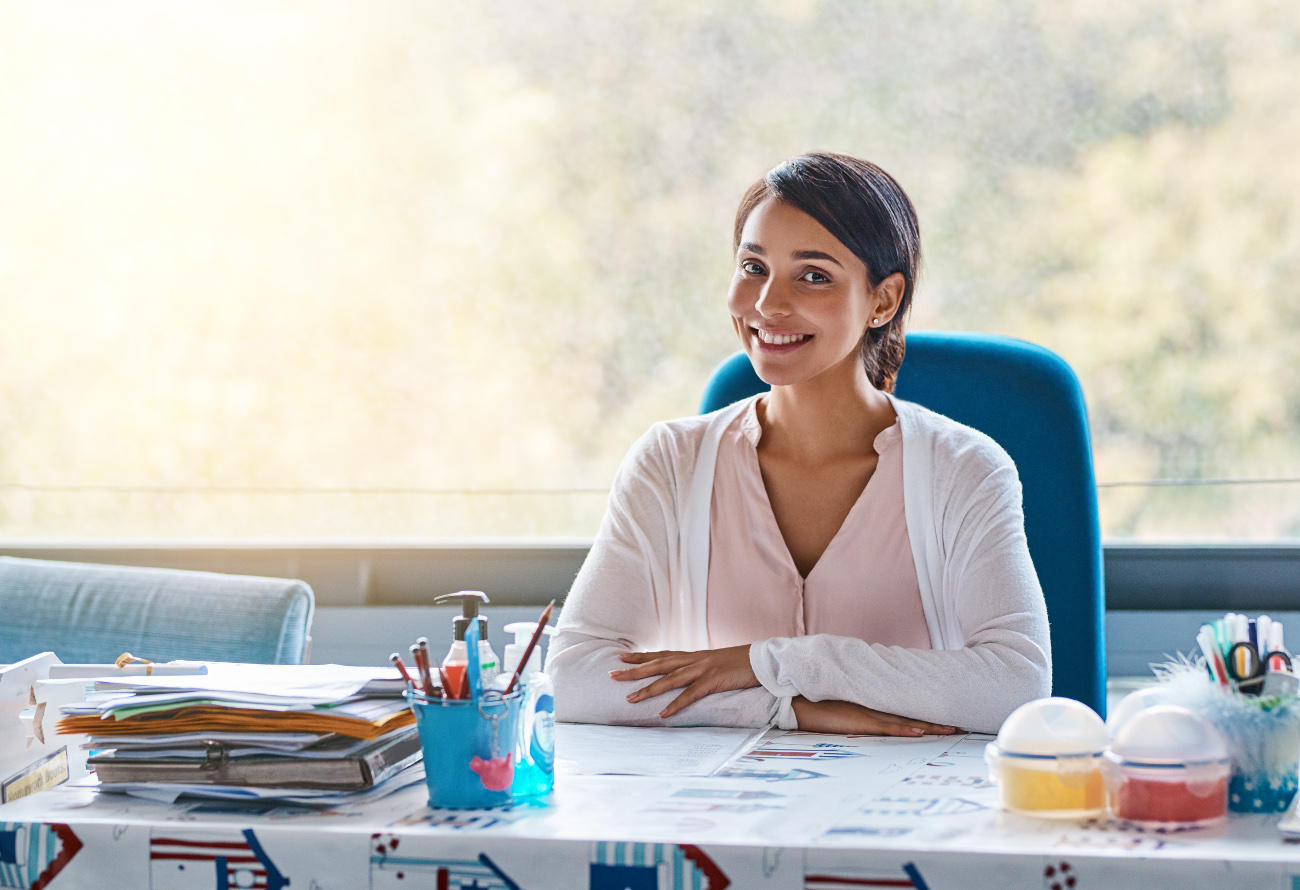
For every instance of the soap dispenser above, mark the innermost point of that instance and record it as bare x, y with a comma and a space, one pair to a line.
535, 753
457, 659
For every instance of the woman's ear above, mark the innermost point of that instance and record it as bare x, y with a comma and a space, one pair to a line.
886, 296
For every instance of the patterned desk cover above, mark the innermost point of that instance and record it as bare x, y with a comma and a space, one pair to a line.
799, 812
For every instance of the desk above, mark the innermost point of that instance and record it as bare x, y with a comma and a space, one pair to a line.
799, 812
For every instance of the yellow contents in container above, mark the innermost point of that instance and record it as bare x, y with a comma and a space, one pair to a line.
1047, 760
1046, 791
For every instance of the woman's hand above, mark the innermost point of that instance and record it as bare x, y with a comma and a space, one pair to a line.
846, 718
698, 673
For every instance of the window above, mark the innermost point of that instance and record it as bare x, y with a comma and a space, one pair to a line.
285, 270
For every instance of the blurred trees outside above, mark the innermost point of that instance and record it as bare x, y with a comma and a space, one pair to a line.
297, 270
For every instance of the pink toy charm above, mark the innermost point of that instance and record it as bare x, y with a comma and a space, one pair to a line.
495, 774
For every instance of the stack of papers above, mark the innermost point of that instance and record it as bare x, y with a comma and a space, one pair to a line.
304, 734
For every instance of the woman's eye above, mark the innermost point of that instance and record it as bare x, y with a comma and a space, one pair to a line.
814, 277
750, 267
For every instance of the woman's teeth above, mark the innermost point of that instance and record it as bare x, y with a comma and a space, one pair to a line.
779, 339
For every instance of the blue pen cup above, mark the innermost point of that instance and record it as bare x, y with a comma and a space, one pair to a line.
469, 748
1261, 792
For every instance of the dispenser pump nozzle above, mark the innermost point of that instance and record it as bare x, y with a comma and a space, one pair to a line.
469, 602
523, 631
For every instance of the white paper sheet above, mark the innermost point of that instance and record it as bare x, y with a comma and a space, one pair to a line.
584, 749
276, 741
304, 682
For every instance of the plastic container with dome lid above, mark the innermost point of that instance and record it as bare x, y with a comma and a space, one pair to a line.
1047, 760
1168, 766
1134, 703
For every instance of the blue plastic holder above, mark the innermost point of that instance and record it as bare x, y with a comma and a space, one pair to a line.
1260, 792
469, 747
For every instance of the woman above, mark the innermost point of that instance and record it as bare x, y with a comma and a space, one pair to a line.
825, 556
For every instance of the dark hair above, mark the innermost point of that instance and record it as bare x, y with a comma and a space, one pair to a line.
871, 215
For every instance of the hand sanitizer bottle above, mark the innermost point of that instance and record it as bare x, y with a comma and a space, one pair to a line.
535, 752
457, 657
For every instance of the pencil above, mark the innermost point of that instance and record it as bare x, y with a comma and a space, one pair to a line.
397, 663
532, 644
420, 652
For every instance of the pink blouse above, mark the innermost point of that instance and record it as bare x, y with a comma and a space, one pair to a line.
864, 585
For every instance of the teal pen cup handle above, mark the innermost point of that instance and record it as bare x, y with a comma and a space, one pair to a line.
469, 748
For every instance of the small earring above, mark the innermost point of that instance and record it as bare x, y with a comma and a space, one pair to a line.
875, 322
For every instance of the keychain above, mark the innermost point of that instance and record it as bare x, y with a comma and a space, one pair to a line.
497, 773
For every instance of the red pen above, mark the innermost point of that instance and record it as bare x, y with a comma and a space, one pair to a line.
397, 663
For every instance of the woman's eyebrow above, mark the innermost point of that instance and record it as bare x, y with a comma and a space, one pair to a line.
816, 255
798, 254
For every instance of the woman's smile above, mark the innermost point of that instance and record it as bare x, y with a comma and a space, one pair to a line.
776, 342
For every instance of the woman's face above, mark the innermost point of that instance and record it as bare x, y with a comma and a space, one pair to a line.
800, 300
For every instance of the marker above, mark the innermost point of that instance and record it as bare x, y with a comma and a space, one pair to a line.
1264, 626
1213, 659
1240, 630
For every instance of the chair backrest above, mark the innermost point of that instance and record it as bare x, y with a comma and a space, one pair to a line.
91, 614
1028, 399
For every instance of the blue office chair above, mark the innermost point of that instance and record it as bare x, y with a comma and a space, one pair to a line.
1028, 400
91, 614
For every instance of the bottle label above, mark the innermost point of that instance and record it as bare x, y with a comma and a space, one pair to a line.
542, 744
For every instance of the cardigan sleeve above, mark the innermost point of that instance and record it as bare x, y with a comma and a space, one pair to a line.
1003, 659
620, 599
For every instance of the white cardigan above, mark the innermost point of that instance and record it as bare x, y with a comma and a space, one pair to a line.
644, 585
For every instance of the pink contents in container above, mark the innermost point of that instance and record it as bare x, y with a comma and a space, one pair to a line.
1168, 766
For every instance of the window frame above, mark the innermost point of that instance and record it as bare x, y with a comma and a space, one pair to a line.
1138, 576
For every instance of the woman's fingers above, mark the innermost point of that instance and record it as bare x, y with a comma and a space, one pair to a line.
700, 673
690, 695
660, 663
911, 725
653, 669
643, 657
668, 682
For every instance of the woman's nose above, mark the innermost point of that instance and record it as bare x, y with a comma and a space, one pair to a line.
773, 300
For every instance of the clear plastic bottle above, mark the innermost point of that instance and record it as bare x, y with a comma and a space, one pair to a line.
535, 752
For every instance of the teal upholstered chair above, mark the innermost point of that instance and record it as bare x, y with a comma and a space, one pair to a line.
91, 614
1029, 400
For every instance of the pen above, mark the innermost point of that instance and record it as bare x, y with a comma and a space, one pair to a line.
532, 644
397, 663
